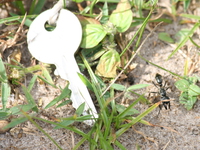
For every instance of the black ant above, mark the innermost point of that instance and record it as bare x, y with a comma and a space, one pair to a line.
163, 95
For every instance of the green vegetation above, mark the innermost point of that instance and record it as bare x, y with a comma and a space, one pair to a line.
99, 48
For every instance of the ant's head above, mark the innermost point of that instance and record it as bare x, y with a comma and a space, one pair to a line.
158, 78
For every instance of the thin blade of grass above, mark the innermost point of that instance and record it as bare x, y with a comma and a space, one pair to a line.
36, 8
184, 40
118, 144
39, 128
32, 82
15, 18
122, 114
5, 88
137, 119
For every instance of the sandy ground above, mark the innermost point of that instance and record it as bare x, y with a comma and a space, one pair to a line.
181, 127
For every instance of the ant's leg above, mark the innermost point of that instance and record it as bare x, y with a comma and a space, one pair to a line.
160, 108
169, 105
155, 85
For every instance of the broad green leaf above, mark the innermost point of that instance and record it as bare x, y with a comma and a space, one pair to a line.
194, 90
108, 64
193, 79
165, 37
182, 85
137, 86
122, 16
118, 87
92, 35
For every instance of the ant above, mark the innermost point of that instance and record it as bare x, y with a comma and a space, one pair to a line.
163, 95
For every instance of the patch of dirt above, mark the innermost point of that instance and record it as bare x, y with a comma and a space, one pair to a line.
180, 128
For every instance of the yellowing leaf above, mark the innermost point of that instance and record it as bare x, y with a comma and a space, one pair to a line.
108, 64
122, 16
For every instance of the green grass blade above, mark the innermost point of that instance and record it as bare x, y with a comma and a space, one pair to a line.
15, 18
118, 144
5, 93
128, 109
5, 88
32, 82
160, 67
184, 40
20, 6
138, 31
125, 127
39, 128
15, 122
66, 92
36, 6
29, 98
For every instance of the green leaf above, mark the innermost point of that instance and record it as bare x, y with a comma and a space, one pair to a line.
92, 35
182, 34
15, 122
64, 94
47, 75
65, 123
185, 39
186, 4
122, 16
5, 93
29, 98
105, 13
165, 37
32, 82
108, 64
118, 87
16, 110
78, 1
20, 6
194, 90
80, 109
121, 108
36, 8
190, 16
137, 86
3, 115
64, 103
85, 81
182, 85
3, 76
